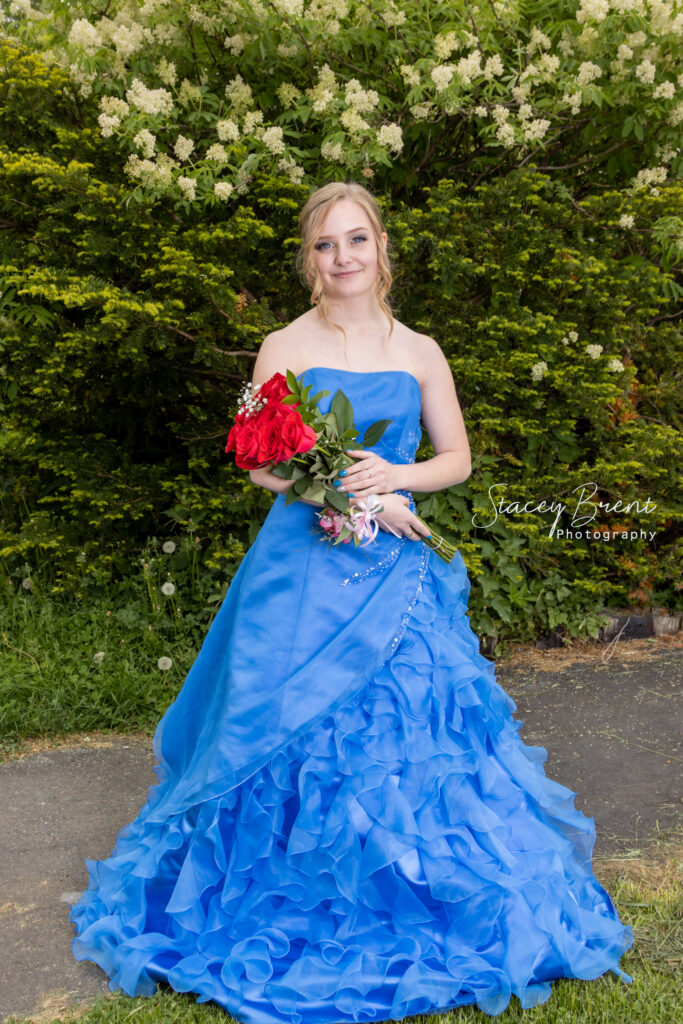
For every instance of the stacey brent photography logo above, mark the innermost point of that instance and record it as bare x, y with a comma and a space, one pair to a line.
583, 512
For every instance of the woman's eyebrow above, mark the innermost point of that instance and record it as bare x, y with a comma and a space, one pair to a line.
348, 232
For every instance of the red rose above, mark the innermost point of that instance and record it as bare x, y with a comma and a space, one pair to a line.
275, 388
271, 435
296, 436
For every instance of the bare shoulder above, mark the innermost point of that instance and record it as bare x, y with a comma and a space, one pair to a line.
428, 356
279, 351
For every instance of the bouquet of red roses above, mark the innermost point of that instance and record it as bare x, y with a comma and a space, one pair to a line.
279, 427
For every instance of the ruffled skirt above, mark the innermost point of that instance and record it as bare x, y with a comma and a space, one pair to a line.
408, 854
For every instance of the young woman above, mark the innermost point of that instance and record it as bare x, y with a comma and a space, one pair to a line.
347, 825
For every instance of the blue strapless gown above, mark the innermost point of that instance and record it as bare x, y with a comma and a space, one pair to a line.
346, 824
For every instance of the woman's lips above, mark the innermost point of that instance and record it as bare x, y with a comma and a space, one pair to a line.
346, 273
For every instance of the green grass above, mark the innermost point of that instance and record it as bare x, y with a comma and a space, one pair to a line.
648, 898
50, 682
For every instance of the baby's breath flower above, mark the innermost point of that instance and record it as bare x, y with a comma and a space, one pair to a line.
539, 370
594, 351
165, 663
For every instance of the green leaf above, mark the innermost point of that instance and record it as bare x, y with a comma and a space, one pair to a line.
293, 383
336, 500
342, 411
374, 432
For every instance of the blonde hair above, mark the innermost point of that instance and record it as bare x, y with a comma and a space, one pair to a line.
311, 220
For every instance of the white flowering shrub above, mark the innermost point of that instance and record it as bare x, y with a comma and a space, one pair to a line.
318, 89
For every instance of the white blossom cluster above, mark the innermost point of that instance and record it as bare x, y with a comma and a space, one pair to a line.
362, 99
323, 92
183, 147
166, 70
592, 10
626, 220
539, 370
218, 153
391, 136
151, 101
615, 366
444, 45
570, 336
85, 36
239, 94
223, 189
146, 142
594, 351
227, 130
650, 176
442, 75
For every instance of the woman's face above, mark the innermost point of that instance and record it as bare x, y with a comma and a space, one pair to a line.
345, 251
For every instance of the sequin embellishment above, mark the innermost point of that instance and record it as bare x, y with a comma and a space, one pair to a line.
403, 624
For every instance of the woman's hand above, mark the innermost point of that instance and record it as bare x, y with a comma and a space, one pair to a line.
398, 519
369, 474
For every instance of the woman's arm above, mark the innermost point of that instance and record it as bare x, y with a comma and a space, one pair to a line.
445, 426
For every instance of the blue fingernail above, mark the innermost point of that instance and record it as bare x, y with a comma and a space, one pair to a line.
429, 536
337, 483
342, 472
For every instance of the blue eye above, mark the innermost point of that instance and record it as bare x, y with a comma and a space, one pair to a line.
361, 238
